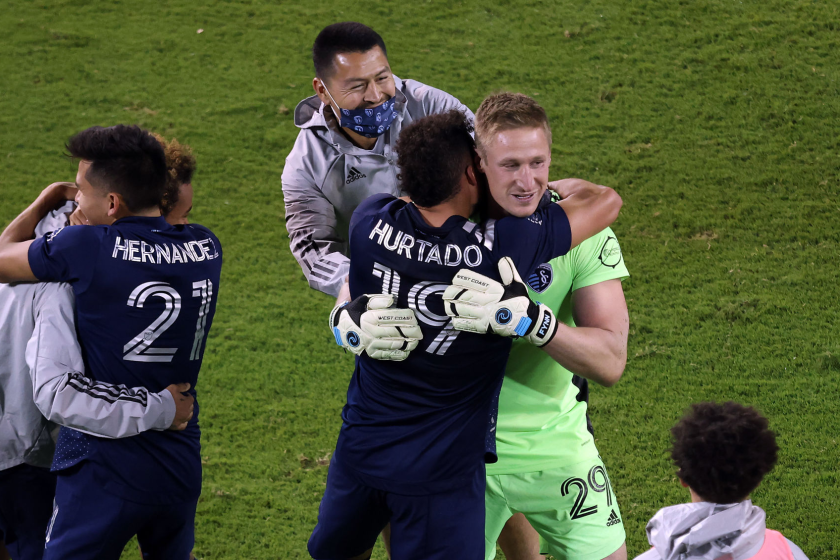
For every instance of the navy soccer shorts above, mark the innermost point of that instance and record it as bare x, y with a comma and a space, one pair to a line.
88, 523
26, 504
428, 527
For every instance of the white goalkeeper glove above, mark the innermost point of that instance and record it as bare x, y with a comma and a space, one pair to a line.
482, 305
369, 324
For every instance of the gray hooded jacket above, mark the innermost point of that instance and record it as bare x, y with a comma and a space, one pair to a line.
326, 177
708, 531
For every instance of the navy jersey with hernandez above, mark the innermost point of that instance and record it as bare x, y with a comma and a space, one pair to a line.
145, 298
420, 426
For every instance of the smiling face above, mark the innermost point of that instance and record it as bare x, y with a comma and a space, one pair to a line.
95, 203
516, 164
359, 80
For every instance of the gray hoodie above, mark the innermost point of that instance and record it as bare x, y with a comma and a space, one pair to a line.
708, 531
326, 176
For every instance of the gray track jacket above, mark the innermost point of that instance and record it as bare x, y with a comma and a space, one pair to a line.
42, 380
707, 531
326, 176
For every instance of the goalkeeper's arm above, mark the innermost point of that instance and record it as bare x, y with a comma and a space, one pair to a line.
482, 305
596, 349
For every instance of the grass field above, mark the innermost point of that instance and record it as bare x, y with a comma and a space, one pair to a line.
718, 121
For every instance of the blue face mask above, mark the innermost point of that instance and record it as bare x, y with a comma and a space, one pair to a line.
370, 123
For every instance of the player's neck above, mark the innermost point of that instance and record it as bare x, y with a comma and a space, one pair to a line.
153, 212
494, 211
436, 216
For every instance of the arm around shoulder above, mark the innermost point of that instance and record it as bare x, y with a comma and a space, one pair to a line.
589, 208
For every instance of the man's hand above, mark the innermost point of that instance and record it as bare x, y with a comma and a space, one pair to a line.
369, 324
60, 192
481, 305
77, 218
183, 406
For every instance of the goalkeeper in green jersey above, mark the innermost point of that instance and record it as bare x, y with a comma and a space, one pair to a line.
549, 469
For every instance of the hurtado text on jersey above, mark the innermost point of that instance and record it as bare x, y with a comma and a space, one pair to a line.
402, 243
171, 253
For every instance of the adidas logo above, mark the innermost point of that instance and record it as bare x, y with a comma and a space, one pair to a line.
354, 175
613, 520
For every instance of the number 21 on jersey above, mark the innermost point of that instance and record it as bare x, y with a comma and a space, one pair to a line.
139, 348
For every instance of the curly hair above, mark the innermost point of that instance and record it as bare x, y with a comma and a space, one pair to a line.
180, 167
507, 111
432, 153
124, 159
722, 451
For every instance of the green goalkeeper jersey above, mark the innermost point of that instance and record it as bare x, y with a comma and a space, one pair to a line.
541, 425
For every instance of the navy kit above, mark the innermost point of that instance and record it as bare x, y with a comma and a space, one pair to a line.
26, 499
145, 298
417, 431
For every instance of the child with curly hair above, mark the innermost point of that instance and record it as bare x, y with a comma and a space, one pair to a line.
722, 452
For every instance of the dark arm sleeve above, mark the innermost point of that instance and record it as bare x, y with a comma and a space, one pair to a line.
534, 240
67, 255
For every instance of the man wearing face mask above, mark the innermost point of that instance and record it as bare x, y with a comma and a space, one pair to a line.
344, 152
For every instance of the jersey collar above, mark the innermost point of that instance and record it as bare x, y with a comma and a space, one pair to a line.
155, 222
451, 222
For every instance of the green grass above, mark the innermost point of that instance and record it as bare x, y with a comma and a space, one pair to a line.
716, 120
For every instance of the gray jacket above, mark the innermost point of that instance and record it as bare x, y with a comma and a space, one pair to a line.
42, 381
326, 177
708, 531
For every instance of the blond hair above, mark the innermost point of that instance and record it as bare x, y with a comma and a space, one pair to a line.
180, 167
508, 111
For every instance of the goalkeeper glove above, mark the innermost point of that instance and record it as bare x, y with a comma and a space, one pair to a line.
482, 305
369, 324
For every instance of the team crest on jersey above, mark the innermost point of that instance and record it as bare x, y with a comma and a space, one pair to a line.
51, 235
541, 279
610, 254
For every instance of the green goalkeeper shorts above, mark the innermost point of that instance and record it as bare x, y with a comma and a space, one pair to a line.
573, 509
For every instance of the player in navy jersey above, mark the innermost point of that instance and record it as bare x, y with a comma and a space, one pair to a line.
145, 298
415, 433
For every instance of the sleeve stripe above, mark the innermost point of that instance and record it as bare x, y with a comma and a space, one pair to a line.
105, 392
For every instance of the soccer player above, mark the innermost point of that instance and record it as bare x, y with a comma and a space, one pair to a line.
416, 433
37, 327
722, 452
344, 152
548, 468
145, 295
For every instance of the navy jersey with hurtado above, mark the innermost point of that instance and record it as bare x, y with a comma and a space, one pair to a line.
421, 425
145, 299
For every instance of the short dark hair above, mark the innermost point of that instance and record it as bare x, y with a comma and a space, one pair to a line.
124, 159
344, 37
723, 451
431, 153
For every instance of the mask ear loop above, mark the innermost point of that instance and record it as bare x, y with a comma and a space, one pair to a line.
338, 118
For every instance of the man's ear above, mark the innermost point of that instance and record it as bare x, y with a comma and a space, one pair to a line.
115, 203
478, 161
320, 91
472, 175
